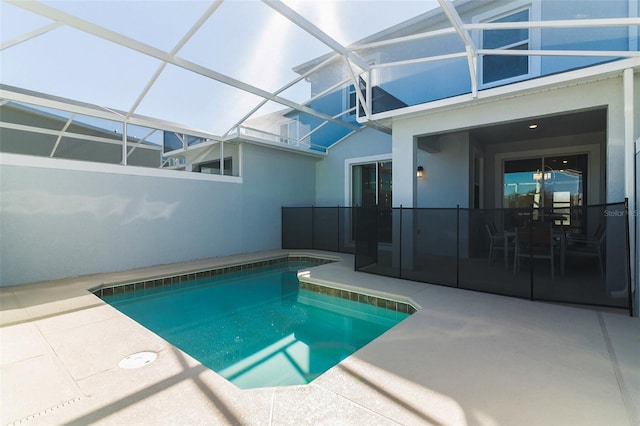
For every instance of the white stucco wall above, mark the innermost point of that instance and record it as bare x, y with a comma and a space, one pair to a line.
446, 173
58, 222
271, 179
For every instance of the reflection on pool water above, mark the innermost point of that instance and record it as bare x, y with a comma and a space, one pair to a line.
256, 328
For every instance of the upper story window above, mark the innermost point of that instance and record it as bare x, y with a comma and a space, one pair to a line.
289, 132
350, 97
213, 167
503, 69
351, 100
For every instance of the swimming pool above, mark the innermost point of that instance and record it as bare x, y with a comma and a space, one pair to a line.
257, 327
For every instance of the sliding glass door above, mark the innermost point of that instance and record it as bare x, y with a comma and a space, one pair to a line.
555, 184
371, 186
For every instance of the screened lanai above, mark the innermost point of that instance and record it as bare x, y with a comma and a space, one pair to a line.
164, 146
172, 77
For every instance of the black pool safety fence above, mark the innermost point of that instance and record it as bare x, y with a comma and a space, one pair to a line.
576, 255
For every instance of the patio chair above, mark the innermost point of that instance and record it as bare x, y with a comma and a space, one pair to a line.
496, 241
587, 246
536, 243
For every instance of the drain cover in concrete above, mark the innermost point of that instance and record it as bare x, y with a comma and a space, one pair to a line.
138, 360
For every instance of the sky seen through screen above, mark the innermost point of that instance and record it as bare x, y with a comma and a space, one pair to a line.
248, 41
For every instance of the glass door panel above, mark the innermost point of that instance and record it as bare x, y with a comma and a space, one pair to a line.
566, 188
554, 184
522, 183
384, 201
371, 186
364, 185
384, 184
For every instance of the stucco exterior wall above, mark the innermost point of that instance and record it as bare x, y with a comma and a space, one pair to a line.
446, 180
58, 222
271, 179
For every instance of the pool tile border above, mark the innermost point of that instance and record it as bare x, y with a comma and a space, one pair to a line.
158, 283
381, 302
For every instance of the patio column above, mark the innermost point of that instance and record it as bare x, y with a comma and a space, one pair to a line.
403, 155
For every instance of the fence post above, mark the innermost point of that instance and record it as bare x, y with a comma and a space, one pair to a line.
313, 226
400, 248
530, 253
457, 245
338, 230
353, 212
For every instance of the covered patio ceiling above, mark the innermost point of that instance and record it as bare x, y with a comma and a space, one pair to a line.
573, 123
209, 66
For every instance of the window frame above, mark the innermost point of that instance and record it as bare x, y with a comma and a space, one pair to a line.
349, 163
350, 89
545, 174
533, 63
215, 164
596, 185
288, 138
349, 92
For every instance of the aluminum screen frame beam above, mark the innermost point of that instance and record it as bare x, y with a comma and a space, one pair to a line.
585, 53
192, 31
316, 32
563, 23
280, 90
470, 47
573, 23
31, 34
120, 39
59, 139
68, 105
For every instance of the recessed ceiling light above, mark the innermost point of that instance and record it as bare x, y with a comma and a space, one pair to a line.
565, 161
533, 126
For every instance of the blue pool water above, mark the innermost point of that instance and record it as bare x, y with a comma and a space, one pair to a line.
257, 328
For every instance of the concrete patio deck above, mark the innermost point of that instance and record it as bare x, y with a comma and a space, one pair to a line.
464, 358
